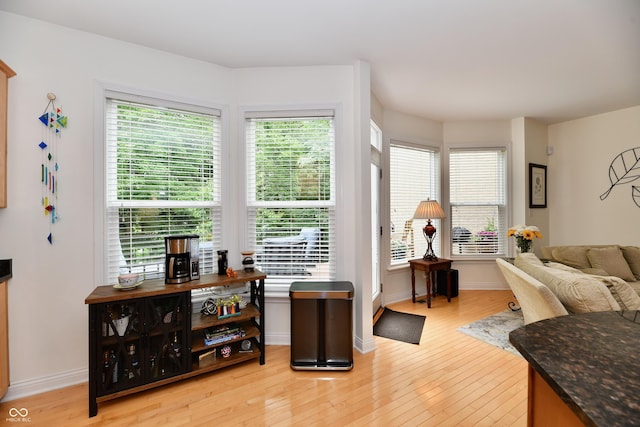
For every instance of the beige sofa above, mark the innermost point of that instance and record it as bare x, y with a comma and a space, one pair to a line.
577, 290
602, 260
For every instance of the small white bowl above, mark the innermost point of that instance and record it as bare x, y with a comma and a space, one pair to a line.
129, 280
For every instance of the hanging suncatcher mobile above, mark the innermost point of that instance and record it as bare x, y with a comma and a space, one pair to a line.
53, 122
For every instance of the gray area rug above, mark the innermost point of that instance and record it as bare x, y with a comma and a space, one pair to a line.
495, 329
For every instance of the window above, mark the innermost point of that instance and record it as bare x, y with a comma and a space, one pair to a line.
413, 176
477, 195
291, 193
162, 179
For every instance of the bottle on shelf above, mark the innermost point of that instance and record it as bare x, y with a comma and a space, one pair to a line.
113, 363
107, 330
175, 352
123, 320
153, 365
105, 367
135, 363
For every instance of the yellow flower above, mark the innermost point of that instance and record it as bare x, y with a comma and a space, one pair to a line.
528, 234
511, 232
537, 234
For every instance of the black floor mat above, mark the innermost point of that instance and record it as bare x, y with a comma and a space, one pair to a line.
399, 326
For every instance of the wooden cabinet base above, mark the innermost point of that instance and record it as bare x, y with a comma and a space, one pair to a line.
545, 408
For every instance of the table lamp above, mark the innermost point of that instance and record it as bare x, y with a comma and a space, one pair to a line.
429, 209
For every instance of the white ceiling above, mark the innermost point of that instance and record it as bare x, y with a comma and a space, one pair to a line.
445, 60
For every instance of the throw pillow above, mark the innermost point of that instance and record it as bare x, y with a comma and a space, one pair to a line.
621, 291
564, 267
612, 261
632, 255
574, 256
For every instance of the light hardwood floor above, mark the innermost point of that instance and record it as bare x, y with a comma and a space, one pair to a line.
449, 379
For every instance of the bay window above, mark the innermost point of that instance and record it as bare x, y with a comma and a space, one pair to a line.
413, 176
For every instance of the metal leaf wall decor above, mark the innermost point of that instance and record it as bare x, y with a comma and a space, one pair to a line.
625, 168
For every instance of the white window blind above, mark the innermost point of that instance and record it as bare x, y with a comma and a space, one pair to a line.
413, 176
162, 179
291, 194
477, 197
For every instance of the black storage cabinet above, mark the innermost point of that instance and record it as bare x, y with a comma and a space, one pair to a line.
321, 325
441, 282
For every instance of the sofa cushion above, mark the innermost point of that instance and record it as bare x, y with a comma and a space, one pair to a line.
529, 258
610, 260
574, 256
621, 291
632, 255
578, 292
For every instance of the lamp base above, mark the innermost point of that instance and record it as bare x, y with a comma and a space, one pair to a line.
429, 257
429, 232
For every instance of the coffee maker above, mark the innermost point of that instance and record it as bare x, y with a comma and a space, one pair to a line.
178, 259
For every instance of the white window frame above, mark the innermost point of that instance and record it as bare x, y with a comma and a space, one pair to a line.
280, 284
503, 221
433, 192
102, 236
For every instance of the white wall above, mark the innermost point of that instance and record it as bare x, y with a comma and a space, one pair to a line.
47, 315
578, 174
535, 135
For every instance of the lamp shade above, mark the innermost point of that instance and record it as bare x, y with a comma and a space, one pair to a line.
429, 209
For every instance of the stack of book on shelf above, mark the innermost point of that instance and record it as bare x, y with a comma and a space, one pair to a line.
223, 333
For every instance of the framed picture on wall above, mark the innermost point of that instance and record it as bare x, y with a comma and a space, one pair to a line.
537, 186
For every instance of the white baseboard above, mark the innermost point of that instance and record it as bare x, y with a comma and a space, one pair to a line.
33, 386
277, 339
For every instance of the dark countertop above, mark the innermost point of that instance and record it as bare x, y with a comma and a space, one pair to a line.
591, 361
5, 269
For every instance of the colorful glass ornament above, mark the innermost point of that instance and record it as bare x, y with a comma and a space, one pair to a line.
53, 122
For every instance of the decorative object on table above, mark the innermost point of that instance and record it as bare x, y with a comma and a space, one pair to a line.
495, 329
429, 209
537, 186
209, 307
625, 168
231, 272
225, 351
222, 262
247, 260
53, 122
524, 235
246, 346
129, 280
229, 307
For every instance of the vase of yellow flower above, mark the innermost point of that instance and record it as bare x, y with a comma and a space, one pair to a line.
524, 235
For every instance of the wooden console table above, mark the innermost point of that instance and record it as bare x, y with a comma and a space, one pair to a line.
429, 267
